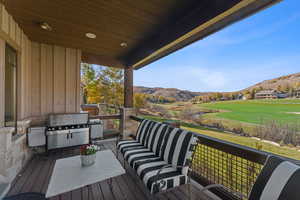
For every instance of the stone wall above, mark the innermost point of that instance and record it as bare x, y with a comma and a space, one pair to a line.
14, 153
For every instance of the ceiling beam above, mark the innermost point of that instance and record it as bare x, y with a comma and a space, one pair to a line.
193, 27
101, 60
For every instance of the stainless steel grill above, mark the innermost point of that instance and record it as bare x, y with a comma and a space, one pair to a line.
65, 130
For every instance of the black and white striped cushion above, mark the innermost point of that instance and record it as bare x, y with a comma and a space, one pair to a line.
151, 132
130, 152
139, 130
128, 144
140, 156
156, 137
147, 130
278, 180
143, 165
143, 129
177, 147
125, 142
142, 134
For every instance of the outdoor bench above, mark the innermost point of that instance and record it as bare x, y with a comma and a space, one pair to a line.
160, 155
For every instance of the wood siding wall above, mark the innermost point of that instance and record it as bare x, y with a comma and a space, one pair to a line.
48, 76
54, 79
10, 33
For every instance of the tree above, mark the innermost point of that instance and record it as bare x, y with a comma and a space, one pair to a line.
89, 80
140, 101
103, 84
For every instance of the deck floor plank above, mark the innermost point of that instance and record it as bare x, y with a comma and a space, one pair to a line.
116, 190
22, 178
35, 186
96, 192
76, 194
36, 175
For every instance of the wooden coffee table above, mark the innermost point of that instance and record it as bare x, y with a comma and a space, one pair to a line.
68, 174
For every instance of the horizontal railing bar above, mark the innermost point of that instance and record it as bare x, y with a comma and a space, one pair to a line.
106, 117
136, 118
234, 149
109, 105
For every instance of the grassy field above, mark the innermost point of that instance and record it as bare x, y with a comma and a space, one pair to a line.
256, 111
246, 141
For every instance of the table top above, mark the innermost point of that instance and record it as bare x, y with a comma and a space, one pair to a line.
68, 174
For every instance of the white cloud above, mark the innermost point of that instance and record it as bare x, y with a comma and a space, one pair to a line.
205, 79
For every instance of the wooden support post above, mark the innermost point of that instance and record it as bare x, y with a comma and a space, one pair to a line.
128, 87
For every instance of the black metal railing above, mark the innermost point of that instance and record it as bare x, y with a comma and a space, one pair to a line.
232, 165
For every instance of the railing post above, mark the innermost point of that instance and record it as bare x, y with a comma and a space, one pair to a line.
128, 87
127, 126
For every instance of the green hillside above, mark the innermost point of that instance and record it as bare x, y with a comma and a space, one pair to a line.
256, 111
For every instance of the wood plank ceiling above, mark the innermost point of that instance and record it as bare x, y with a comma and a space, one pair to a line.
145, 25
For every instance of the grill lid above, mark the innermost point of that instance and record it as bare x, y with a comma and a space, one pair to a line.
68, 119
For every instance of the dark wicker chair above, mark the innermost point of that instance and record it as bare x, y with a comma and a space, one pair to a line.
27, 196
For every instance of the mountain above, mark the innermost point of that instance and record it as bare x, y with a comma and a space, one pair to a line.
185, 95
284, 81
179, 95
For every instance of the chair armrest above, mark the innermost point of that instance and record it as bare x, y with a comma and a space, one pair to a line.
160, 184
223, 187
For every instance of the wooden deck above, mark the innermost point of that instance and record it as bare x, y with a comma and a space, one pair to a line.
36, 175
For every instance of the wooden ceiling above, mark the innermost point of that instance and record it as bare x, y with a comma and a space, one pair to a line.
147, 26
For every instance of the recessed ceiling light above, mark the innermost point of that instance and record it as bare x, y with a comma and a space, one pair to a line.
123, 44
90, 35
45, 26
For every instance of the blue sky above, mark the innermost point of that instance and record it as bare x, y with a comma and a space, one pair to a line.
261, 47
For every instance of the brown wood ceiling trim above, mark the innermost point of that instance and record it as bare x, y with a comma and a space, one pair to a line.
101, 60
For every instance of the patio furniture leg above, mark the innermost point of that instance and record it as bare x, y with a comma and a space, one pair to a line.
124, 163
109, 181
189, 191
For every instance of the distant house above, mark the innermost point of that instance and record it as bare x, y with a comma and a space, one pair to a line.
282, 95
267, 94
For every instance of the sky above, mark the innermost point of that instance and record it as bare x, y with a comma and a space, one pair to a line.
261, 47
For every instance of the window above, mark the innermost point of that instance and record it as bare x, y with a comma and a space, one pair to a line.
10, 87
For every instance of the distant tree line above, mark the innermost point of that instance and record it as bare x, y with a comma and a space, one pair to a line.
217, 96
159, 99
